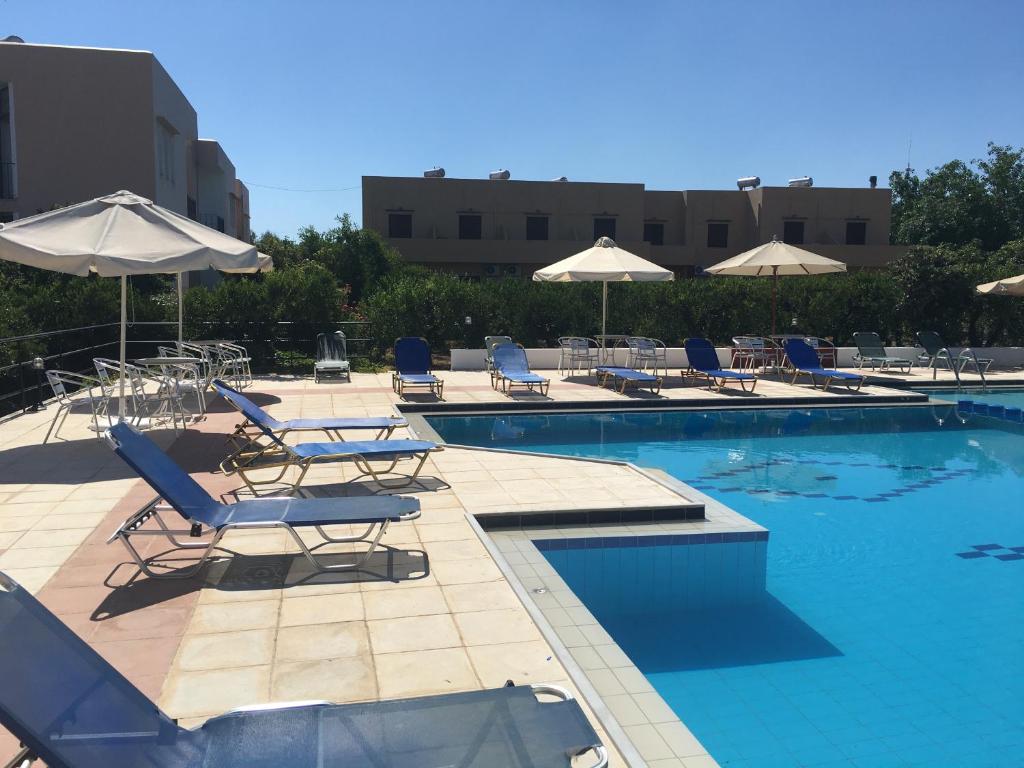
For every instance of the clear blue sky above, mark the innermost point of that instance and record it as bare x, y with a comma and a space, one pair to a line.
313, 95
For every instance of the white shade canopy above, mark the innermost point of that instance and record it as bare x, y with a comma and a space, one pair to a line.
264, 261
121, 234
777, 258
1010, 286
606, 263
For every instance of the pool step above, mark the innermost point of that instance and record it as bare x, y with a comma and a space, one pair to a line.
1006, 413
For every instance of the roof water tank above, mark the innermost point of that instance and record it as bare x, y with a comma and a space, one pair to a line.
802, 181
434, 173
748, 182
561, 178
12, 39
500, 175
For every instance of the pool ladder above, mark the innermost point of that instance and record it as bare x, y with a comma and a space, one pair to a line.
958, 363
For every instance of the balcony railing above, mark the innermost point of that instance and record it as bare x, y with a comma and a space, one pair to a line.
6, 181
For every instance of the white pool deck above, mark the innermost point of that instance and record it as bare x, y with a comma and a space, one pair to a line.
445, 607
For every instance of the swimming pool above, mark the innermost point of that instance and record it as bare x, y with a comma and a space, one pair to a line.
1013, 397
889, 629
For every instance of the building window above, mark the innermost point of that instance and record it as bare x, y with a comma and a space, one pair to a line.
165, 152
399, 225
6, 217
718, 234
793, 232
856, 232
191, 210
536, 227
654, 233
604, 227
470, 226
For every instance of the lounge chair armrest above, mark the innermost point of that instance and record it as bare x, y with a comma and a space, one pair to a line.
564, 695
23, 758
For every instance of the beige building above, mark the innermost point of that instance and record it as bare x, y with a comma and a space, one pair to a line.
490, 228
77, 123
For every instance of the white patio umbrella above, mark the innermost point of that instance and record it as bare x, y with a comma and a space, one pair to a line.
776, 258
120, 235
604, 263
266, 264
1009, 286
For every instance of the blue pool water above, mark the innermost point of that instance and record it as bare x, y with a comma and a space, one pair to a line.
1013, 397
889, 629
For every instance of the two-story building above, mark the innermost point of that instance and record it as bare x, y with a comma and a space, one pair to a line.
494, 227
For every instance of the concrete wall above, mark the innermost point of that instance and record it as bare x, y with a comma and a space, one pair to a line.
171, 110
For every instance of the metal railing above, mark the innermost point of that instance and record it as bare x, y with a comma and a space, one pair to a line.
7, 181
272, 345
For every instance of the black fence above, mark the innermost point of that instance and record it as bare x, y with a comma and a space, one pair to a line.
275, 348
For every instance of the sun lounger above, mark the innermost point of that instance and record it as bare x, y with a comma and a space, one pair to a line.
872, 353
206, 515
412, 367
626, 377
490, 342
71, 709
331, 356
703, 361
936, 353
271, 452
511, 368
805, 361
245, 434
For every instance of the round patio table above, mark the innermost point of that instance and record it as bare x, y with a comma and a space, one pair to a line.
609, 343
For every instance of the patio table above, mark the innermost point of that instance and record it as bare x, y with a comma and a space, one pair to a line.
609, 343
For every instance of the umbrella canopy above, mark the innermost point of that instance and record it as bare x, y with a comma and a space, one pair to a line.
604, 263
119, 235
1010, 286
776, 258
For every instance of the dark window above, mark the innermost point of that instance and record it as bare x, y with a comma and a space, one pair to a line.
654, 233
604, 228
469, 226
856, 232
793, 232
536, 227
399, 225
193, 211
6, 217
718, 234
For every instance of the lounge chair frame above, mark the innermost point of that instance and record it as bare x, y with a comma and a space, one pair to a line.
869, 342
328, 348
401, 381
509, 379
818, 372
716, 378
608, 373
59, 382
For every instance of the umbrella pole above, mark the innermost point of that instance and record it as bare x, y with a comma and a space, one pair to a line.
604, 308
124, 334
775, 284
180, 313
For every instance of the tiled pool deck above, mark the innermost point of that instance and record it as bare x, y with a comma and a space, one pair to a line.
444, 607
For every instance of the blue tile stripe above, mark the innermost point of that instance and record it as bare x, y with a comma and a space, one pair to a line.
1006, 413
998, 551
655, 540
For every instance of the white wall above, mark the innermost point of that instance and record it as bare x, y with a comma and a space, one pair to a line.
541, 359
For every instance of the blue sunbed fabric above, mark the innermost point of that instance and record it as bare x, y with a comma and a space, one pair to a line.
255, 414
805, 360
418, 378
512, 367
366, 448
626, 373
702, 357
412, 367
72, 709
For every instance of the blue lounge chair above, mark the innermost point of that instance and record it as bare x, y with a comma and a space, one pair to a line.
511, 368
805, 361
413, 366
206, 515
626, 377
274, 453
490, 342
703, 361
71, 709
245, 433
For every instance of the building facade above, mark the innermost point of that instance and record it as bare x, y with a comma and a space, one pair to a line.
77, 123
494, 228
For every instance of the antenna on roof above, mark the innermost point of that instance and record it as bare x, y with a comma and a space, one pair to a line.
910, 143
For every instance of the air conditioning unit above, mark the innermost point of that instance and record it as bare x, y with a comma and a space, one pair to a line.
491, 270
511, 270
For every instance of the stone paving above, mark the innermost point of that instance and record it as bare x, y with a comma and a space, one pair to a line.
431, 612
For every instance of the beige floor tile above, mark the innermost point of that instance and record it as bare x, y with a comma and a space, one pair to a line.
69, 537
336, 680
395, 603
36, 557
416, 633
465, 571
314, 642
321, 609
488, 595
501, 626
210, 692
462, 549
226, 649
32, 579
420, 673
234, 617
523, 663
